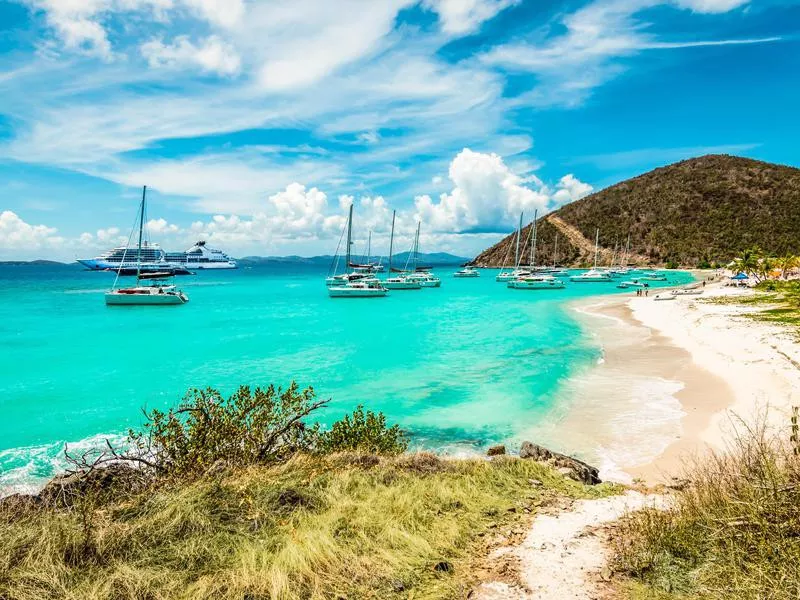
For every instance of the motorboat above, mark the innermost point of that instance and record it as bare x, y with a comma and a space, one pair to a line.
467, 272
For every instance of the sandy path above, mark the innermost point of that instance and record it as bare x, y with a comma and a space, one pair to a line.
564, 554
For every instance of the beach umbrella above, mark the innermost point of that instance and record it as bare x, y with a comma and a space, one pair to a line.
740, 277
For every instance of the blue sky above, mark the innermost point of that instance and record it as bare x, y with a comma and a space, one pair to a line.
255, 124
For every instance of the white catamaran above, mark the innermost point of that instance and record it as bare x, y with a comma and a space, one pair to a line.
151, 289
398, 281
356, 284
534, 280
593, 275
504, 275
421, 275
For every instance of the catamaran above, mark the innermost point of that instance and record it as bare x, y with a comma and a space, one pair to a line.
467, 272
399, 281
421, 275
534, 280
151, 289
356, 284
593, 275
506, 276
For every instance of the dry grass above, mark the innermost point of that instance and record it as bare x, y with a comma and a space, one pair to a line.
734, 532
340, 527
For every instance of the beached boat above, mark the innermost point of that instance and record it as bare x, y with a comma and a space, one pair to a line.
593, 275
151, 289
663, 297
356, 284
399, 281
467, 272
687, 292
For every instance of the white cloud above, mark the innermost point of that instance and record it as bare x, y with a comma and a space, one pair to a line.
161, 226
570, 188
487, 196
711, 6
465, 16
213, 55
584, 55
226, 13
19, 236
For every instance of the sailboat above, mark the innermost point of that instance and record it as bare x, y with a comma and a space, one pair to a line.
421, 275
556, 271
152, 288
593, 275
355, 284
534, 280
399, 281
506, 276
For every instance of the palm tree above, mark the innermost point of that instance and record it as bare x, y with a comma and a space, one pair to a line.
786, 263
749, 262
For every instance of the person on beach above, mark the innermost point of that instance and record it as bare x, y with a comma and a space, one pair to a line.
645, 292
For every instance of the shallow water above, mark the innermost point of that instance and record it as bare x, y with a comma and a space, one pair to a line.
461, 367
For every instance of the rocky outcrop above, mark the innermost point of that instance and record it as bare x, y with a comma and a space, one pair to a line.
496, 450
63, 490
568, 466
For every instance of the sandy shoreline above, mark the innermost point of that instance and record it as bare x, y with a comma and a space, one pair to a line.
716, 364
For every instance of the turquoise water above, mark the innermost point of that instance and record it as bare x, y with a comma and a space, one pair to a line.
463, 366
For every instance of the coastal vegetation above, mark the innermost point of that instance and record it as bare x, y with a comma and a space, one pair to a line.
733, 530
240, 497
695, 213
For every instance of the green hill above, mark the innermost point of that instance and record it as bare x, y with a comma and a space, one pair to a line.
702, 209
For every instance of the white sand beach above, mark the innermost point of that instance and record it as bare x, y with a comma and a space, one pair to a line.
678, 374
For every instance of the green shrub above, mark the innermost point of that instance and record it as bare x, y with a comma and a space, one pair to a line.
364, 432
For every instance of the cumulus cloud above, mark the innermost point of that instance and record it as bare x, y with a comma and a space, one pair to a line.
570, 188
486, 196
465, 16
213, 55
19, 236
161, 226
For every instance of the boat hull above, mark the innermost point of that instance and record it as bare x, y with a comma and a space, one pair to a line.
536, 285
579, 279
346, 292
122, 299
401, 285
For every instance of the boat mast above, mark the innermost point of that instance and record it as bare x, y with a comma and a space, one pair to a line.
596, 242
391, 243
369, 247
349, 237
519, 234
555, 252
533, 240
627, 249
416, 247
141, 226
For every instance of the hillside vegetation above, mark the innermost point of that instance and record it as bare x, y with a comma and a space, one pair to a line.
701, 210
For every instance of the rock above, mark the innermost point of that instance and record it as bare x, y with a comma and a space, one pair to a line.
535, 482
568, 466
63, 490
496, 450
606, 573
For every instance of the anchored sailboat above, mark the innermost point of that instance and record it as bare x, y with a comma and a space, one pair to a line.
593, 275
506, 276
152, 288
533, 280
399, 281
421, 275
358, 284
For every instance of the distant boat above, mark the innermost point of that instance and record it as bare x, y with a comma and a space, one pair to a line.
536, 282
355, 284
399, 281
467, 272
421, 275
655, 277
151, 289
504, 275
593, 275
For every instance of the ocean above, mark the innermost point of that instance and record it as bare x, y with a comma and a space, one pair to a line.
460, 367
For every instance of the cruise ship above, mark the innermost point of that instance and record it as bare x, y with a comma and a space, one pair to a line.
198, 256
